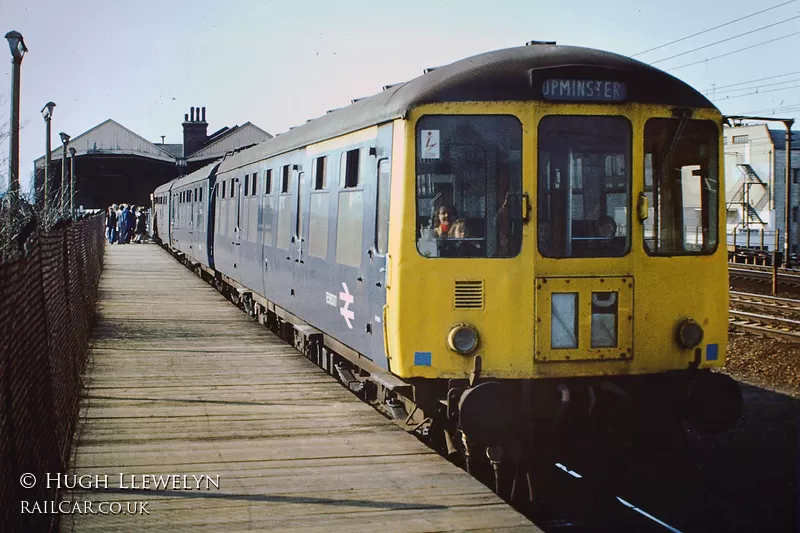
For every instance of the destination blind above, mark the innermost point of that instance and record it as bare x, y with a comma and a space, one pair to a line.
588, 90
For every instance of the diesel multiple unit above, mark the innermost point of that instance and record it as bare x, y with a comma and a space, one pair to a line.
520, 237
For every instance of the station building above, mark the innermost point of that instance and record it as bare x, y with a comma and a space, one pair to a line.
755, 174
114, 164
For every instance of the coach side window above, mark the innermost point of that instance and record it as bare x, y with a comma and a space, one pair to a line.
320, 173
285, 179
349, 174
268, 181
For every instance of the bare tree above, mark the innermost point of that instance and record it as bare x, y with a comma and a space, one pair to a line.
20, 224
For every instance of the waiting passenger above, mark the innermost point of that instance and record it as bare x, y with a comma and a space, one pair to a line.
446, 215
111, 224
458, 230
122, 224
458, 244
141, 226
130, 222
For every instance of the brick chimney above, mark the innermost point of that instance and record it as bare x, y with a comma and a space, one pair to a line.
195, 131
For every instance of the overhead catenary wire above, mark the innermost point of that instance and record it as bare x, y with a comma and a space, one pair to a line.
714, 28
760, 92
734, 52
758, 88
716, 87
724, 40
773, 110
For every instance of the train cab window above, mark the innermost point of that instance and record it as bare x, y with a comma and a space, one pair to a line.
233, 190
681, 183
349, 173
320, 173
268, 181
469, 186
246, 184
223, 188
200, 194
584, 186
254, 184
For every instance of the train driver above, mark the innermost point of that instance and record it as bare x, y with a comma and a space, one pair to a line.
606, 227
610, 242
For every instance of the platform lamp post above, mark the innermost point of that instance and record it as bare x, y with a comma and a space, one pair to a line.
72, 152
65, 142
47, 113
18, 49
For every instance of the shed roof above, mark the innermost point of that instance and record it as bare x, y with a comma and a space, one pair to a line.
175, 150
111, 137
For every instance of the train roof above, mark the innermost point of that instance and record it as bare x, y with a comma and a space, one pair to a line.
198, 175
512, 74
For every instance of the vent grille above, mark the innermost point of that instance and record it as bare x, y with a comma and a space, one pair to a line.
469, 294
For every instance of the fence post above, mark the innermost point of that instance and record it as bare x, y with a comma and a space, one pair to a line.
774, 272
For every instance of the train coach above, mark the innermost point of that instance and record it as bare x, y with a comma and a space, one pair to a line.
527, 235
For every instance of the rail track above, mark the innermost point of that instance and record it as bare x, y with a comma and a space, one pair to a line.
788, 278
783, 322
588, 504
788, 307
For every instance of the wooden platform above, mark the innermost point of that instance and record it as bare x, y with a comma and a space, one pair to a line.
182, 382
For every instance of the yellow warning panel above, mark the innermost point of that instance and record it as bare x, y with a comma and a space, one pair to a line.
584, 319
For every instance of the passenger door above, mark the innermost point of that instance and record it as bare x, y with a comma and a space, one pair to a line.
300, 279
237, 229
192, 223
378, 222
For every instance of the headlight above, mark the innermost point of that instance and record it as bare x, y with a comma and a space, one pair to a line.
690, 334
463, 339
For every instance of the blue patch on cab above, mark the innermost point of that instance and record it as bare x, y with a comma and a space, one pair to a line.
712, 352
422, 358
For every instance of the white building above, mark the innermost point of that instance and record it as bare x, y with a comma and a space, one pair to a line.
755, 162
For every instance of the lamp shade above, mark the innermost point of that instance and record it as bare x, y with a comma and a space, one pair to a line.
16, 44
47, 110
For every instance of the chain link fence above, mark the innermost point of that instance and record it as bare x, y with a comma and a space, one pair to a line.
47, 302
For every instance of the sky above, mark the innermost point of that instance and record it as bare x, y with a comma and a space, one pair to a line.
278, 63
